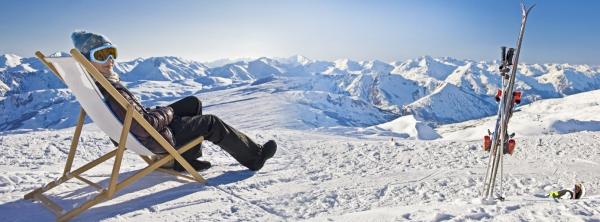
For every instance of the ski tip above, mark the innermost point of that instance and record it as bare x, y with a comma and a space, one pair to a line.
530, 7
524, 9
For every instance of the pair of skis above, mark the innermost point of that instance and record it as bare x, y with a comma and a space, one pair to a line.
500, 142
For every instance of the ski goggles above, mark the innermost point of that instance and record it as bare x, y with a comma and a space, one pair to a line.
103, 54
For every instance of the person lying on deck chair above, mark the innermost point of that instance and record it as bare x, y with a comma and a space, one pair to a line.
179, 123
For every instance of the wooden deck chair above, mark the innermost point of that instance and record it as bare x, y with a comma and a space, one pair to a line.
79, 75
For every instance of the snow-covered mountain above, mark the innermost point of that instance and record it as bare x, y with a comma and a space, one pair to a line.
449, 103
434, 90
19, 75
9, 61
162, 69
427, 67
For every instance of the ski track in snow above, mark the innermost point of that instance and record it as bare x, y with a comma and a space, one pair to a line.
314, 176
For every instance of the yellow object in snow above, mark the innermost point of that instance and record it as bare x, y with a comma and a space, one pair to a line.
560, 194
554, 194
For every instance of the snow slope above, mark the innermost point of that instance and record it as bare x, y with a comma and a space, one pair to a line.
570, 114
409, 125
449, 104
317, 174
317, 177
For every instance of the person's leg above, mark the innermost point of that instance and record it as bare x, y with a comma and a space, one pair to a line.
188, 106
237, 144
192, 155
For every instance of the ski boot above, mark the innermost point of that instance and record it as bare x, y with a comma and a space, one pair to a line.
487, 143
517, 97
510, 145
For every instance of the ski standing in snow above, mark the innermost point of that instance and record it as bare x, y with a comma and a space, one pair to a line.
500, 142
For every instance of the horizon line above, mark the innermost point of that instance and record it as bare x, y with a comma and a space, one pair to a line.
251, 58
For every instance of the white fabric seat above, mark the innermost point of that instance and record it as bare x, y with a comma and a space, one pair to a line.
92, 101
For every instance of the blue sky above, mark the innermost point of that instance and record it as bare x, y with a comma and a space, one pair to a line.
558, 31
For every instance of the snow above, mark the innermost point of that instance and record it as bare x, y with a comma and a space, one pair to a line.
296, 60
315, 176
427, 67
222, 62
347, 65
449, 104
165, 68
60, 54
355, 144
10, 60
3, 88
409, 125
571, 114
264, 67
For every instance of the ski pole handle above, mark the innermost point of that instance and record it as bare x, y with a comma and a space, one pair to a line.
503, 56
509, 56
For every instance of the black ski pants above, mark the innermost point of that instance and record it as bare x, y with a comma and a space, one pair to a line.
189, 123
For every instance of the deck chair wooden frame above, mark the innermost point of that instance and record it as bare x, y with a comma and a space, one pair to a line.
113, 186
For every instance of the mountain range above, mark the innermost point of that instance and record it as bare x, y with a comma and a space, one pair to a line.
435, 91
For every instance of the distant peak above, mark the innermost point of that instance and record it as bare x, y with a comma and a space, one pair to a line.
263, 59
425, 61
60, 54
300, 59
10, 56
425, 58
10, 60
